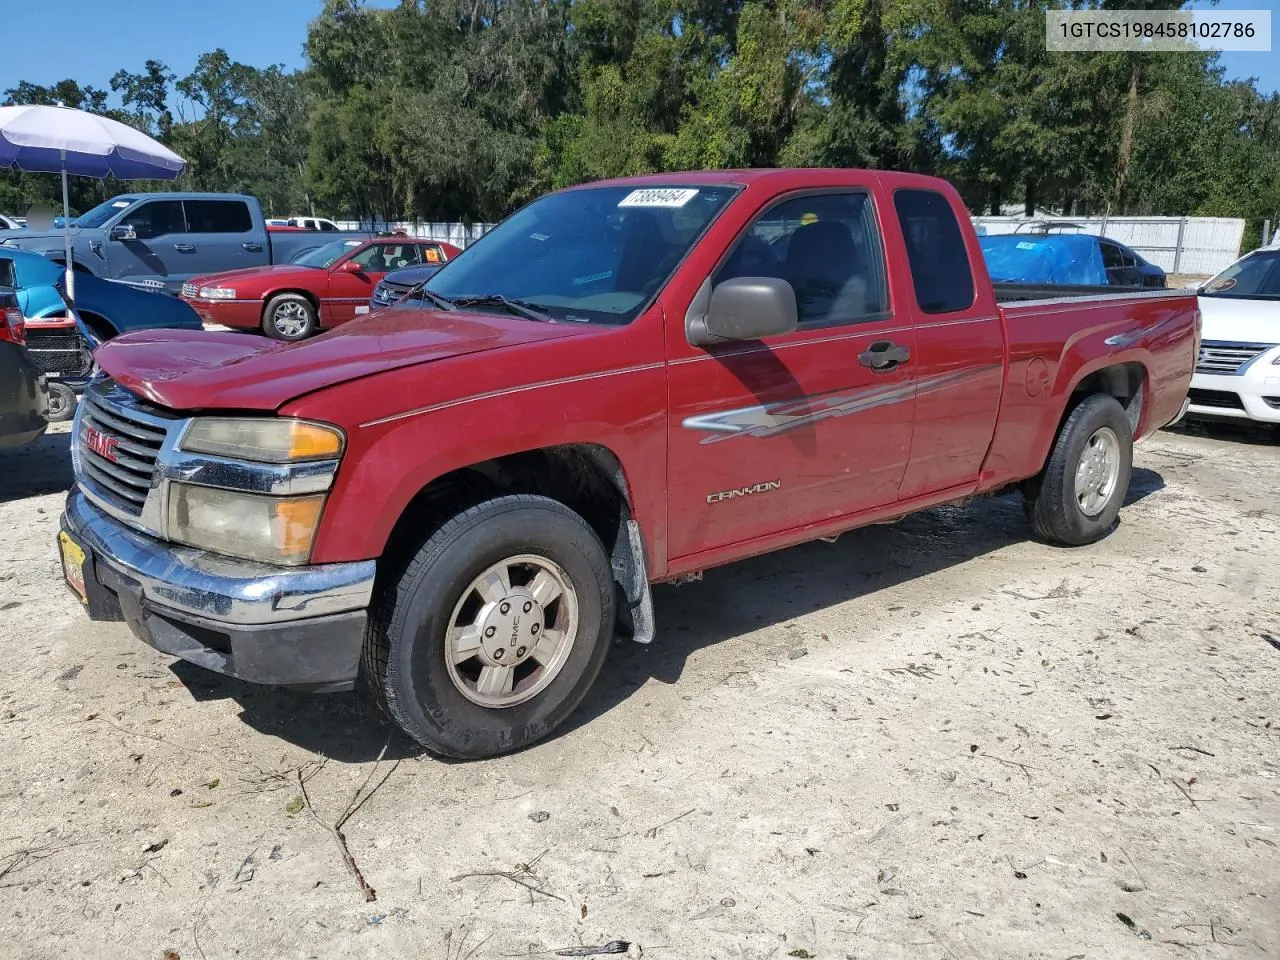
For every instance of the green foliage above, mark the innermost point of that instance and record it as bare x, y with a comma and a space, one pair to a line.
464, 109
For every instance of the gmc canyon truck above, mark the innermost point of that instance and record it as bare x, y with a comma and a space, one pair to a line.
168, 238
624, 383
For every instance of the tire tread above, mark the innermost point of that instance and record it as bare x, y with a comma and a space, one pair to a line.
1048, 498
383, 671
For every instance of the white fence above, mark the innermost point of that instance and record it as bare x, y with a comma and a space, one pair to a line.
458, 234
1183, 245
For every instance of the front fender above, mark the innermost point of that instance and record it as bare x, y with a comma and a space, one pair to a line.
388, 462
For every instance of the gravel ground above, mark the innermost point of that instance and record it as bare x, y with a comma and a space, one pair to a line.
934, 740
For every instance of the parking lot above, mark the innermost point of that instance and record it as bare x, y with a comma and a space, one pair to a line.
937, 739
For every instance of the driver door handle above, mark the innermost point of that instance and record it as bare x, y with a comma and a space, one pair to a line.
184, 247
252, 247
884, 355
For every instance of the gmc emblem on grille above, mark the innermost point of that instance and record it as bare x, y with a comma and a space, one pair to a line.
100, 443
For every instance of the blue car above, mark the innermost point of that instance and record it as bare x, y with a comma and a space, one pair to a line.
61, 342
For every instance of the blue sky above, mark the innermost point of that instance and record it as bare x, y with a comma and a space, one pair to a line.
106, 35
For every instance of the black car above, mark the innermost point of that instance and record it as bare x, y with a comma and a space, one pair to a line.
392, 288
1126, 268
24, 397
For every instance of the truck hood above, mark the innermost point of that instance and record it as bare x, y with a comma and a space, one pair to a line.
195, 370
1240, 321
31, 240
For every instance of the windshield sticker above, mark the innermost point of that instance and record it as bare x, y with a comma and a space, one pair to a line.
352, 243
657, 197
120, 204
539, 237
1219, 285
431, 255
1026, 245
592, 278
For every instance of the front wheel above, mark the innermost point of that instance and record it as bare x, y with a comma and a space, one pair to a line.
495, 629
289, 316
1076, 498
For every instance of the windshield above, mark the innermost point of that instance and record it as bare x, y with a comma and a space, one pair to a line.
593, 255
327, 255
103, 212
1256, 277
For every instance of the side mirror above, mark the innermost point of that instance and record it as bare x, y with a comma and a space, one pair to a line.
350, 266
124, 231
744, 308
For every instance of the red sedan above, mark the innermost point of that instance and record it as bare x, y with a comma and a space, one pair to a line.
321, 289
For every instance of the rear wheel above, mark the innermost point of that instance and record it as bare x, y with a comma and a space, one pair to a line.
1077, 496
289, 316
495, 629
62, 402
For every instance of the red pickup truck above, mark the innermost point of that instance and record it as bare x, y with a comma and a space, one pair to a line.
463, 499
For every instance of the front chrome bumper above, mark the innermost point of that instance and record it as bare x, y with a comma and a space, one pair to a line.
207, 585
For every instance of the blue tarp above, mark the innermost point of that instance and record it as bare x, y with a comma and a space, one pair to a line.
1063, 258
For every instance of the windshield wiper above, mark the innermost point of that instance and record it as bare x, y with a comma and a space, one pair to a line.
444, 303
522, 308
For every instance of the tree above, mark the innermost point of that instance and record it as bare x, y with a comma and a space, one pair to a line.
464, 109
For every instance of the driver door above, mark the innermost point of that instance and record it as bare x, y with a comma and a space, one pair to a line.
771, 435
161, 248
350, 289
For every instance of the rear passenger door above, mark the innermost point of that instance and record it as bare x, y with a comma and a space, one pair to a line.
959, 356
771, 435
222, 237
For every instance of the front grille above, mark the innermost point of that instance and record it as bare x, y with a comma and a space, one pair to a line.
1221, 357
1215, 398
59, 352
189, 290
385, 294
132, 432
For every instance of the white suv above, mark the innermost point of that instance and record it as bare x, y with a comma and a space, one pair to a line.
1238, 371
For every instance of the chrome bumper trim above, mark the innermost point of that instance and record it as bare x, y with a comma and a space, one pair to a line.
213, 586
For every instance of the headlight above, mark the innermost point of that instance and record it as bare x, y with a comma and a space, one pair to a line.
246, 525
217, 293
263, 439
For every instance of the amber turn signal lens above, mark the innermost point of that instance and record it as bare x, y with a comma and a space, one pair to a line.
311, 441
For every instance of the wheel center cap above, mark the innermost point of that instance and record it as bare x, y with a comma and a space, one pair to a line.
510, 629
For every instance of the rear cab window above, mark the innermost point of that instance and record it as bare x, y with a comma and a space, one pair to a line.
218, 216
940, 271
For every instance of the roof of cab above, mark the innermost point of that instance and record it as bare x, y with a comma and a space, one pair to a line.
745, 177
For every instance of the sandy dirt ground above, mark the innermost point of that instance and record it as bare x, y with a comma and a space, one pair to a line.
935, 740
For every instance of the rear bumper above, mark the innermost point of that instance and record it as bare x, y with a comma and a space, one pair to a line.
295, 626
241, 314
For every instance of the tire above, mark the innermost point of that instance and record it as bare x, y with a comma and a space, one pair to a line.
1070, 513
62, 402
289, 317
409, 655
